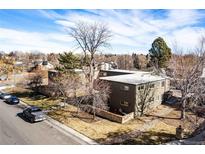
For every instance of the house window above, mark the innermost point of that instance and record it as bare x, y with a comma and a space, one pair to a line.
140, 87
124, 103
163, 83
152, 86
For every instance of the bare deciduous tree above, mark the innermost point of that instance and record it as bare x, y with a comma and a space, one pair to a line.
6, 65
125, 62
186, 76
146, 97
91, 38
35, 81
72, 91
53, 59
65, 86
96, 98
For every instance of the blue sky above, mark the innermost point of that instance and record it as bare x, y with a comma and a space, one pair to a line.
133, 30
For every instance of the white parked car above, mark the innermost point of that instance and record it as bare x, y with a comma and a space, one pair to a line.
4, 96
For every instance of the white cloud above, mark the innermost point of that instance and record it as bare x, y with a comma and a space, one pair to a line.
65, 23
23, 40
132, 29
187, 38
138, 28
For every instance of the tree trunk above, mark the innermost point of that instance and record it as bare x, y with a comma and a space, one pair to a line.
94, 113
78, 109
92, 71
196, 120
141, 113
183, 110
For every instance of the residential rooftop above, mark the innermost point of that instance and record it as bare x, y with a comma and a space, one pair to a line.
135, 77
125, 71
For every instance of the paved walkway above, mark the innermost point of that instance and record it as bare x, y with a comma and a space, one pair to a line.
196, 140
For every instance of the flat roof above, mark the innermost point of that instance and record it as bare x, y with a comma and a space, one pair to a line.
124, 71
75, 70
136, 78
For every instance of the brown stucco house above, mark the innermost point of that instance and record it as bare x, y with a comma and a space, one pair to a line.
125, 87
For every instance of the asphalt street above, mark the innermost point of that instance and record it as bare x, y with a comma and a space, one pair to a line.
16, 130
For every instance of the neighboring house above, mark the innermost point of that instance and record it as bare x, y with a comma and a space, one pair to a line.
18, 63
42, 65
52, 74
107, 66
55, 73
46, 65
125, 86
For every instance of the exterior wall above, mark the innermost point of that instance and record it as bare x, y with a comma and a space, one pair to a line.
127, 100
114, 117
122, 99
159, 89
167, 85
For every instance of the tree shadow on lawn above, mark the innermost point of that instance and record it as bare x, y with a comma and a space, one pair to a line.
86, 117
25, 94
34, 96
176, 107
140, 138
161, 117
150, 138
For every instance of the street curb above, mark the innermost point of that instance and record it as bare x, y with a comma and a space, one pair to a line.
71, 131
67, 130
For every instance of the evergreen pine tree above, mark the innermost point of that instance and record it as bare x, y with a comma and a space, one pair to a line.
160, 53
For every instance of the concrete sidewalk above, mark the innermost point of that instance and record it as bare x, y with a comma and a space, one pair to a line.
196, 140
6, 86
67, 130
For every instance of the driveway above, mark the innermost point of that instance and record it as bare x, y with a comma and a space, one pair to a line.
196, 140
15, 130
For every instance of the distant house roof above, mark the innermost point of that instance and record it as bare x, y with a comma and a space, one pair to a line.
18, 63
135, 77
54, 71
78, 70
45, 64
107, 65
75, 70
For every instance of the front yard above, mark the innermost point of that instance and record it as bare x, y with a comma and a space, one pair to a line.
156, 128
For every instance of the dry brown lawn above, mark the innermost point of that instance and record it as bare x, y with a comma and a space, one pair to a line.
100, 129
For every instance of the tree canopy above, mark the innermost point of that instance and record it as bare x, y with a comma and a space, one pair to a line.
160, 53
90, 37
68, 62
6, 65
